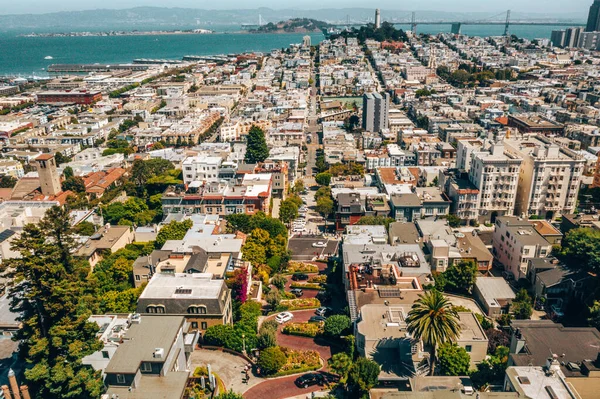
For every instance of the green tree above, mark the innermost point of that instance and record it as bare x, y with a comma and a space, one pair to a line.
219, 335
74, 183
581, 249
433, 320
324, 206
376, 221
453, 221
461, 277
7, 181
68, 172
84, 229
271, 360
278, 281
337, 325
594, 319
266, 339
521, 305
298, 186
173, 231
288, 210
492, 369
256, 150
363, 376
454, 360
50, 296
340, 363
422, 93
323, 179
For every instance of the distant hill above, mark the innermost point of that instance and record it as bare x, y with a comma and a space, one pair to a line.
181, 18
295, 25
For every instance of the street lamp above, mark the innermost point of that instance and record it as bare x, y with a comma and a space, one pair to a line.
244, 344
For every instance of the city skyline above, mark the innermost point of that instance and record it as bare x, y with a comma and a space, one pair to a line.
534, 7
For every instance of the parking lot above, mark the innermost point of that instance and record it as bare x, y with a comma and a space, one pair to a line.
302, 247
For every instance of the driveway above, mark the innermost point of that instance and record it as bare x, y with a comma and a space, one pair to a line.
278, 388
303, 343
227, 366
302, 248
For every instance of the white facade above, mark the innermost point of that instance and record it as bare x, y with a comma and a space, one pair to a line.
495, 173
201, 168
549, 177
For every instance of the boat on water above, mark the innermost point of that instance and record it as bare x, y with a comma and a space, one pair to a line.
48, 57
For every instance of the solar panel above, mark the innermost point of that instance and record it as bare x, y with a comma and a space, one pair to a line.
183, 291
389, 293
6, 234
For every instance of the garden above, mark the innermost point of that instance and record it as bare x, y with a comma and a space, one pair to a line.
303, 329
306, 286
300, 303
194, 387
301, 267
278, 361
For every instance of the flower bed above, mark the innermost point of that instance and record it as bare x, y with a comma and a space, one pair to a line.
299, 361
320, 279
301, 303
300, 267
306, 286
303, 329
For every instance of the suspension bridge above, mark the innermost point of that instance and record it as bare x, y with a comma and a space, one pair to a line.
503, 18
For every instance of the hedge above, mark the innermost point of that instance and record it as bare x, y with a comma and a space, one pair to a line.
303, 329
296, 371
301, 303
306, 286
299, 267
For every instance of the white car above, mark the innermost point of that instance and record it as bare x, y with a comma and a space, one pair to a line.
284, 317
319, 244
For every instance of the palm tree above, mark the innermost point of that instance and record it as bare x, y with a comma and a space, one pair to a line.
433, 320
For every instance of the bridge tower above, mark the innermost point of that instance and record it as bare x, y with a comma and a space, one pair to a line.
456, 27
413, 23
507, 25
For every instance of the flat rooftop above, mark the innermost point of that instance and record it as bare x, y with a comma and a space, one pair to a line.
183, 285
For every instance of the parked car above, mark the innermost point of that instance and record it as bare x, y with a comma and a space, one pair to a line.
284, 317
299, 276
508, 275
317, 319
322, 311
310, 379
319, 244
297, 292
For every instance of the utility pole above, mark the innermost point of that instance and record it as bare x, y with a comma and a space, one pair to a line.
413, 24
507, 25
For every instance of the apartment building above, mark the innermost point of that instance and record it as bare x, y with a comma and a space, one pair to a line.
375, 111
495, 173
201, 168
201, 299
515, 241
549, 177
251, 195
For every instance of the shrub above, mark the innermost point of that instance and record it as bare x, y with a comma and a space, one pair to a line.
271, 360
278, 281
300, 267
337, 325
454, 360
303, 329
266, 339
306, 286
301, 303
319, 279
297, 361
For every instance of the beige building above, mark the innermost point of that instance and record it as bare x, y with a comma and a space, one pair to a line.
549, 177
49, 177
515, 241
107, 239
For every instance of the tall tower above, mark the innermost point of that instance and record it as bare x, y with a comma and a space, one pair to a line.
593, 22
49, 178
377, 19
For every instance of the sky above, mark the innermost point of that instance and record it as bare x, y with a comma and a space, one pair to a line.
529, 6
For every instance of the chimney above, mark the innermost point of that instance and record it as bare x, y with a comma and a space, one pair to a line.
14, 387
25, 392
6, 392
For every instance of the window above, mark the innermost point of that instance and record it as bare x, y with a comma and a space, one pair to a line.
195, 325
192, 310
120, 379
468, 348
146, 367
202, 309
137, 277
105, 355
204, 325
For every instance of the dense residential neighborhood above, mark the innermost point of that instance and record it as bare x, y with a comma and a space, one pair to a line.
383, 214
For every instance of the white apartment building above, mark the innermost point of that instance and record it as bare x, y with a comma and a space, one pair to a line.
201, 168
549, 178
229, 131
495, 174
12, 168
515, 241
